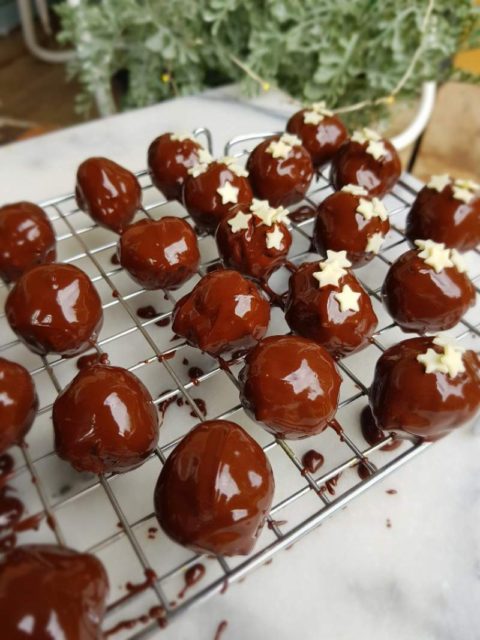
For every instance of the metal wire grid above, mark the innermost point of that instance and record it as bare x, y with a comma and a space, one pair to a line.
277, 536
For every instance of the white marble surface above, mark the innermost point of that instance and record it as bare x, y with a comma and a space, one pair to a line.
353, 578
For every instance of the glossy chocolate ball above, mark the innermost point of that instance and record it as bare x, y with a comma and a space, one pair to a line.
427, 397
320, 130
215, 490
367, 160
255, 243
352, 221
49, 592
18, 403
427, 290
55, 309
290, 385
446, 211
105, 421
280, 170
214, 190
224, 312
159, 254
26, 239
169, 158
327, 304
108, 192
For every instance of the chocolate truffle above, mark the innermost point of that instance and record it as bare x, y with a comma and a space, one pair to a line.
426, 289
255, 243
367, 160
26, 239
327, 303
446, 211
18, 403
215, 189
350, 220
425, 386
49, 592
320, 130
55, 308
159, 254
215, 490
169, 158
105, 421
280, 170
224, 312
291, 385
108, 192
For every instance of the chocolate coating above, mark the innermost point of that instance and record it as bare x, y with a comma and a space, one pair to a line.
108, 192
105, 421
320, 140
403, 397
339, 227
281, 181
246, 250
313, 312
204, 203
26, 239
55, 309
421, 300
440, 217
168, 163
224, 312
291, 385
215, 490
159, 254
49, 592
18, 403
353, 165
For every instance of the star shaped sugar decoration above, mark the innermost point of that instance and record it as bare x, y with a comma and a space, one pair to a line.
347, 299
354, 189
275, 238
234, 167
267, 214
450, 361
458, 261
434, 254
204, 159
181, 136
282, 147
240, 221
229, 193
464, 190
374, 243
375, 147
316, 113
332, 269
291, 139
439, 182
371, 208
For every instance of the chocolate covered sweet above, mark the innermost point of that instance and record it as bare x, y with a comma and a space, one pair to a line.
320, 130
426, 289
224, 312
255, 242
280, 170
26, 239
426, 387
290, 385
215, 490
159, 254
350, 220
367, 160
18, 403
214, 189
55, 309
169, 158
108, 192
49, 592
447, 211
327, 304
105, 421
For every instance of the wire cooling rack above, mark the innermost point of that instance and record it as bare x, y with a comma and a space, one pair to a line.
112, 516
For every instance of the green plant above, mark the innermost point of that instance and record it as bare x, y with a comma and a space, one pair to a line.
360, 52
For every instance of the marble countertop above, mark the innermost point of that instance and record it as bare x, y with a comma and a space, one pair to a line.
354, 577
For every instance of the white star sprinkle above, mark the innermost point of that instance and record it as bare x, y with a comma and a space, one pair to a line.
366, 135
291, 139
279, 149
450, 361
464, 195
458, 261
204, 156
432, 361
439, 182
434, 254
469, 185
312, 117
281, 215
355, 189
337, 257
377, 149
229, 193
374, 242
348, 299
181, 136
275, 238
332, 269
320, 107
372, 208
263, 211
197, 169
234, 167
240, 221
